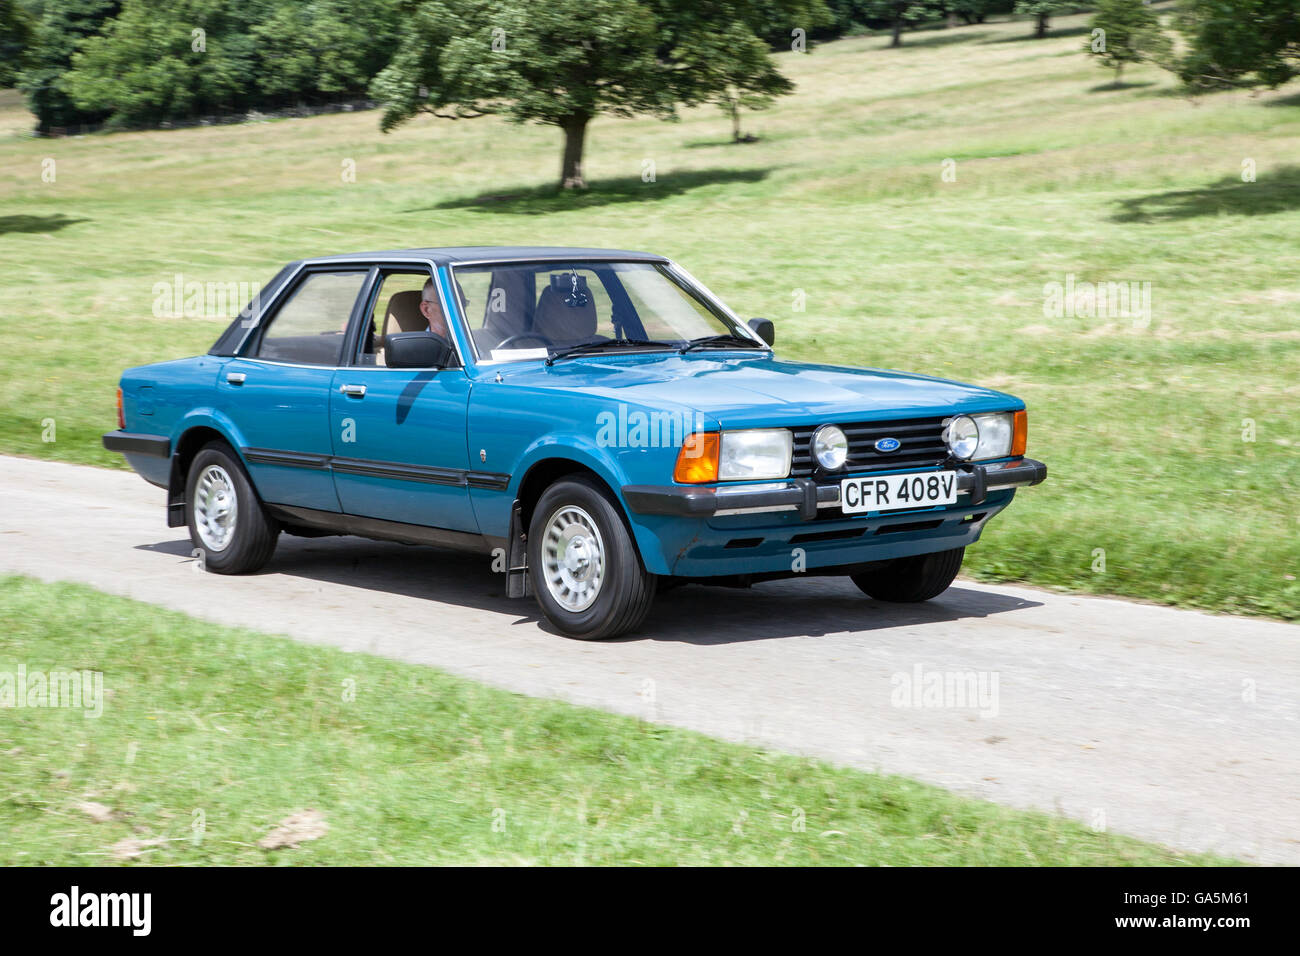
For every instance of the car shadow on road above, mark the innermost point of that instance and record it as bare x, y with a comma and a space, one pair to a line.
692, 614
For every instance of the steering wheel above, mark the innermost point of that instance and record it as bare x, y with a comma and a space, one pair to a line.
508, 340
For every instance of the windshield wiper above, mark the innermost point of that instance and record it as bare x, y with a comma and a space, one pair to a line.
726, 338
584, 347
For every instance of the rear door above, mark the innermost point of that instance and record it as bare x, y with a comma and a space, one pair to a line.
399, 434
278, 391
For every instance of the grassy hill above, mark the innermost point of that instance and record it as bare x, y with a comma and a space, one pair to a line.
842, 200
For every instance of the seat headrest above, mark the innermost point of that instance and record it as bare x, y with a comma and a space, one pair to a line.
403, 311
562, 323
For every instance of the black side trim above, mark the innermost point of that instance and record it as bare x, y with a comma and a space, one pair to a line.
372, 468
382, 530
380, 469
490, 480
137, 443
270, 456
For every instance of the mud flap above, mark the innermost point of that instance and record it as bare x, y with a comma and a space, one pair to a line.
176, 496
517, 555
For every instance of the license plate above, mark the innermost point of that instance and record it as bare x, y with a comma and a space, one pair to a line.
894, 492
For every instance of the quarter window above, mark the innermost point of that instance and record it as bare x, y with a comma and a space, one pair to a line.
309, 328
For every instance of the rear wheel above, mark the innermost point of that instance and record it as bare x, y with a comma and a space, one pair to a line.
908, 580
585, 568
227, 523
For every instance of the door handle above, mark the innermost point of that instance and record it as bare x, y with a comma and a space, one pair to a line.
235, 378
355, 391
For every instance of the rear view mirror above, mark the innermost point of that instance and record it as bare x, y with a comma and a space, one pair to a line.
417, 350
765, 329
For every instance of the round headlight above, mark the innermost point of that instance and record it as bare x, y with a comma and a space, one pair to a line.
830, 447
962, 436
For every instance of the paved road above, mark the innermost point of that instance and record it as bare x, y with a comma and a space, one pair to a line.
1175, 726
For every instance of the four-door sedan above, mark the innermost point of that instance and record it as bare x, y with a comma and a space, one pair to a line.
596, 420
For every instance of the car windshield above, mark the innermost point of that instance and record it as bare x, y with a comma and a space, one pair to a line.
543, 309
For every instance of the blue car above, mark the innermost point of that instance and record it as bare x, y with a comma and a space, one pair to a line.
596, 423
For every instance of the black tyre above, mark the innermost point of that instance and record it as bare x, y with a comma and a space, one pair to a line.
227, 523
908, 580
583, 563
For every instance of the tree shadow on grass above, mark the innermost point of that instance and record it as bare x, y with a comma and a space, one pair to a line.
1052, 34
1274, 191
547, 199
22, 223
1113, 87
937, 37
1292, 100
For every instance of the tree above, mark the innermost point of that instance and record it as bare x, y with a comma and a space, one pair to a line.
900, 13
972, 11
15, 37
1231, 41
735, 65
309, 50
162, 59
564, 62
57, 26
1042, 11
157, 60
1125, 31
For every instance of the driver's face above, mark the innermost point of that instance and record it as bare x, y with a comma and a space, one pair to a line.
432, 313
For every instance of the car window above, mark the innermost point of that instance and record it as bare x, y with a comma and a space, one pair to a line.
395, 308
664, 309
309, 328
519, 311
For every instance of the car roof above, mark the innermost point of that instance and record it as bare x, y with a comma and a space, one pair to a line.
453, 255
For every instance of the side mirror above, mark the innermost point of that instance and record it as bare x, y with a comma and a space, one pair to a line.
417, 350
765, 329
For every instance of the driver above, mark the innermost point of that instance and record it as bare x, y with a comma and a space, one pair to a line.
431, 309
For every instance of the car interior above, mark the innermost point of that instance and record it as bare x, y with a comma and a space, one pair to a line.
537, 307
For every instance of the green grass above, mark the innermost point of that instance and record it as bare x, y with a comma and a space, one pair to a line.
246, 729
842, 197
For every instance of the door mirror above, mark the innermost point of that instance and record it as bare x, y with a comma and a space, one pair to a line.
417, 350
765, 329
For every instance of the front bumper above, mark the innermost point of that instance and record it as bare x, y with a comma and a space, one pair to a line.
806, 496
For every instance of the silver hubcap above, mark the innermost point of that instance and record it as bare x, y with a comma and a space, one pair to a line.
216, 508
573, 556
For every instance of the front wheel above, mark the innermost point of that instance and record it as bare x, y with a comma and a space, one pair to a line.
584, 566
227, 524
908, 580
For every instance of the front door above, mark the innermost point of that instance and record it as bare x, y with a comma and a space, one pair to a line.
399, 434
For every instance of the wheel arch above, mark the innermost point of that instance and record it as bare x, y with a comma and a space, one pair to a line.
192, 437
547, 471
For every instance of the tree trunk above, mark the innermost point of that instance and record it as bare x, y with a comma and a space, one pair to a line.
1119, 71
575, 136
1041, 30
735, 121
898, 32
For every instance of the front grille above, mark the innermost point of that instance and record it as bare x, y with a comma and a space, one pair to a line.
921, 445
